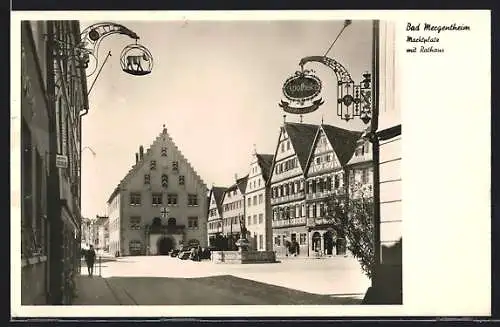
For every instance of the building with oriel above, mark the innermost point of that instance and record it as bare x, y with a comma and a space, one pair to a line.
233, 211
326, 183
258, 204
54, 97
159, 205
214, 220
360, 171
287, 184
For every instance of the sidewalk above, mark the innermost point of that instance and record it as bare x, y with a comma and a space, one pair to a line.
93, 291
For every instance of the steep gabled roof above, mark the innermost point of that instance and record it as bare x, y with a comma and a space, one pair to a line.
302, 138
242, 183
265, 162
143, 160
343, 141
218, 193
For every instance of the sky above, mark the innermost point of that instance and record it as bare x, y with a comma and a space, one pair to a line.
216, 86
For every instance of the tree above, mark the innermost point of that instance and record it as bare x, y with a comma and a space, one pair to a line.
353, 221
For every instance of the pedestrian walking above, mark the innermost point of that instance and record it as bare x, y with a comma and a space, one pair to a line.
90, 259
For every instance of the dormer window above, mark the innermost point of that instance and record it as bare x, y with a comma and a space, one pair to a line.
152, 164
181, 180
175, 166
147, 179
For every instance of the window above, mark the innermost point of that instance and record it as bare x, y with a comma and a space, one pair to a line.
172, 199
249, 202
157, 199
175, 166
352, 177
164, 151
147, 179
135, 222
294, 237
261, 218
255, 200
277, 240
288, 145
249, 219
337, 181
328, 158
192, 200
283, 147
364, 176
135, 199
261, 242
318, 160
164, 180
193, 222
255, 219
152, 165
181, 180
302, 238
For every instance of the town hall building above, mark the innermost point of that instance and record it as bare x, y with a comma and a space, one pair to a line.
160, 205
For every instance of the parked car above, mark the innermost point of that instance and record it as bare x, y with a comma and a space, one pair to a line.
184, 253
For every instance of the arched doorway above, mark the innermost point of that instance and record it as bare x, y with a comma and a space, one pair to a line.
316, 241
164, 245
328, 242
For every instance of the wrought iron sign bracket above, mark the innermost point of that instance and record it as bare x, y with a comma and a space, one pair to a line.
353, 100
86, 51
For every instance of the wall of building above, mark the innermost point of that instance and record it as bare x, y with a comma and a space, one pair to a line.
214, 221
233, 209
34, 168
147, 181
257, 212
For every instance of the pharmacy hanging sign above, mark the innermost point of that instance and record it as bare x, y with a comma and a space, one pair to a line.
302, 92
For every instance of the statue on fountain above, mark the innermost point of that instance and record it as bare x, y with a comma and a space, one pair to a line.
243, 243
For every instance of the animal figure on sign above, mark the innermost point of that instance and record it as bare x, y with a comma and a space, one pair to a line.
136, 61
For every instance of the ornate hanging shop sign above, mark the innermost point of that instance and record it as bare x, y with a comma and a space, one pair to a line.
136, 59
302, 91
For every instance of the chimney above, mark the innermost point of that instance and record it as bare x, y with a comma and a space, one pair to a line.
236, 177
136, 157
141, 152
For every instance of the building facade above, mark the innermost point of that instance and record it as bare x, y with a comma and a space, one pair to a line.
258, 204
287, 184
215, 217
87, 233
101, 228
233, 211
326, 183
159, 205
54, 94
360, 171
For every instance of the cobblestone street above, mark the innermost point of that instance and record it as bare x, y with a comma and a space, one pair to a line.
162, 280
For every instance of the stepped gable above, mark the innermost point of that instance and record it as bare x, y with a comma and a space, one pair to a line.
141, 162
218, 193
343, 141
302, 138
265, 162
